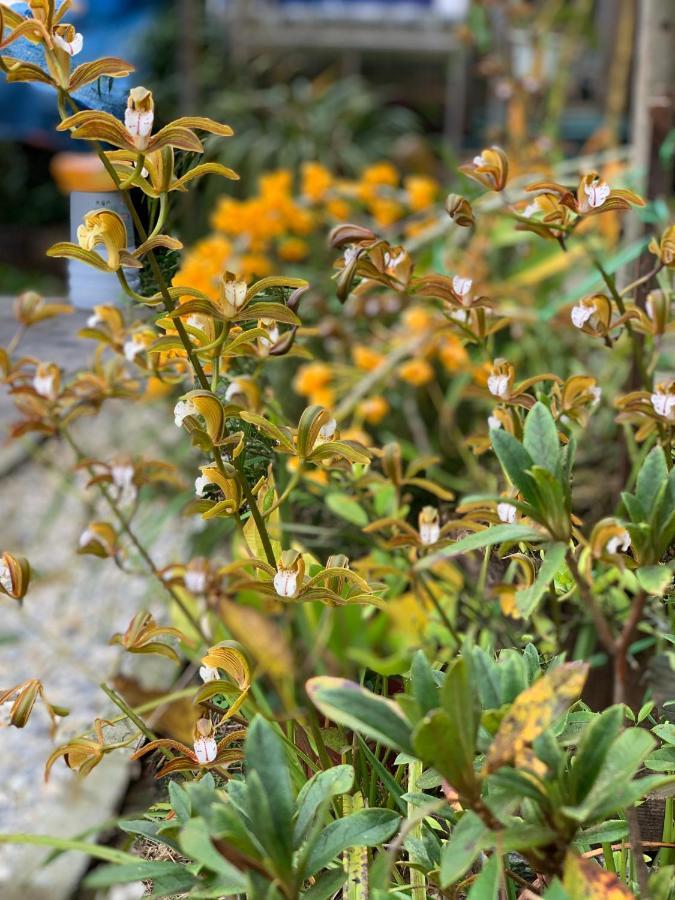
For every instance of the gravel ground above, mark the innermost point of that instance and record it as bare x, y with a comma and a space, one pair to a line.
61, 633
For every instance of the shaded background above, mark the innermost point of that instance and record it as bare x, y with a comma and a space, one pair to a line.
348, 82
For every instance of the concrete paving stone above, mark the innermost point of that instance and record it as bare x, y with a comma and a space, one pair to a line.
60, 635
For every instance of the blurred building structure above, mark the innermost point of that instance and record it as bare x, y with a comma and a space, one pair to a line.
359, 31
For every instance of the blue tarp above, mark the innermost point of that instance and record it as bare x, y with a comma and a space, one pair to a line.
110, 28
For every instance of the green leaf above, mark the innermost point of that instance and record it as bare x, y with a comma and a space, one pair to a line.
142, 870
497, 534
665, 732
540, 438
446, 738
434, 740
468, 838
265, 755
661, 760
316, 794
486, 886
487, 678
633, 507
195, 842
604, 833
180, 802
347, 508
277, 846
551, 502
460, 701
592, 751
384, 775
528, 599
654, 580
652, 476
109, 854
423, 683
365, 828
515, 460
347, 703
612, 789
326, 885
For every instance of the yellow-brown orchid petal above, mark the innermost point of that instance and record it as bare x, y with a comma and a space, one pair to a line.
65, 250
211, 168
107, 67
202, 123
30, 29
176, 136
160, 240
94, 125
27, 72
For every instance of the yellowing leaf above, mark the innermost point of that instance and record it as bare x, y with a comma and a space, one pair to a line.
262, 638
533, 711
585, 879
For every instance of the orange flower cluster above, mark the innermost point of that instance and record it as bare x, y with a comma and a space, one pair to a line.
282, 222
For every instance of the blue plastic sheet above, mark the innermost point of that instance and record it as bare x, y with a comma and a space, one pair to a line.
110, 28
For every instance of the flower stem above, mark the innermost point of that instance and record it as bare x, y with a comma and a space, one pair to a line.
170, 305
127, 529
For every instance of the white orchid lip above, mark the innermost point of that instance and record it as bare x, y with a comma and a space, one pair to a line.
6, 577
87, 537
122, 475
233, 390
195, 580
498, 385
531, 210
328, 431
139, 116
430, 533
234, 296
201, 483
182, 410
133, 347
663, 404
506, 513
350, 253
494, 422
479, 160
597, 193
618, 542
581, 313
72, 48
462, 286
272, 336
286, 583
44, 385
208, 673
206, 750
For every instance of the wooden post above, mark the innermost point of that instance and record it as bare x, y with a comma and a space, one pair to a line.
652, 119
652, 114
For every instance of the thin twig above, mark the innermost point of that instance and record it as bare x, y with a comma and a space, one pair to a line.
128, 530
601, 623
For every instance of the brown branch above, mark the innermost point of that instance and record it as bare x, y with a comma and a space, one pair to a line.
621, 646
601, 624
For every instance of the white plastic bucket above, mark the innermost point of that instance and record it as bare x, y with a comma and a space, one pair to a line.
87, 287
